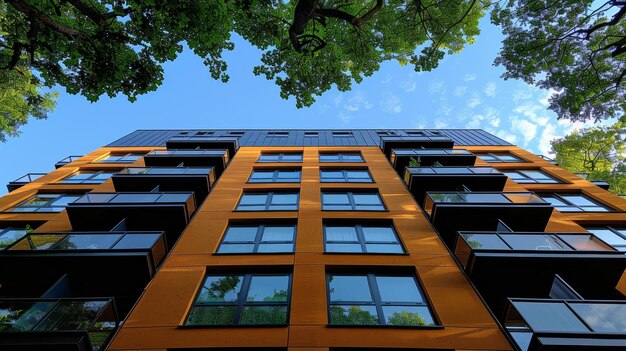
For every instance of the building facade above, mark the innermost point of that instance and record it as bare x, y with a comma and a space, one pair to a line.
311, 240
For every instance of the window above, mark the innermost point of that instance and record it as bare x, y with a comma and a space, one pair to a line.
341, 157
530, 176
45, 203
574, 203
342, 134
270, 201
277, 134
415, 133
345, 176
281, 157
352, 201
615, 237
87, 177
377, 299
121, 158
311, 134
10, 235
275, 176
236, 133
242, 299
375, 238
261, 238
499, 158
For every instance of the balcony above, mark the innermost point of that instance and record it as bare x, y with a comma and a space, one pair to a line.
555, 325
401, 158
160, 211
204, 142
450, 212
73, 324
502, 264
23, 180
218, 159
116, 264
68, 159
196, 179
422, 179
387, 143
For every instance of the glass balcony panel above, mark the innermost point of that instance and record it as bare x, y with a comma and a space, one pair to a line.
485, 170
442, 197
137, 241
95, 198
10, 236
407, 315
72, 315
534, 242
22, 316
549, 317
422, 170
171, 198
38, 242
602, 317
135, 198
459, 152
522, 339
349, 288
585, 242
87, 242
608, 236
484, 198
451, 170
398, 289
485, 241
524, 198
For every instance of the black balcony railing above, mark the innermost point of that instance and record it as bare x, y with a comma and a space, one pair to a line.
166, 170
68, 159
111, 241
480, 198
23, 180
133, 198
532, 242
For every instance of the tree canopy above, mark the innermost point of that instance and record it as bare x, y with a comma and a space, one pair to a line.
597, 152
575, 47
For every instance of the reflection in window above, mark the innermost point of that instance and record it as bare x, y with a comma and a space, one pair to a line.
125, 158
281, 157
87, 177
345, 176
361, 239
341, 157
275, 176
613, 236
377, 299
270, 201
526, 176
250, 299
45, 203
10, 235
574, 203
262, 238
352, 201
499, 158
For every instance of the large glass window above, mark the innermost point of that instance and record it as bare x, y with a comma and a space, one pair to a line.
345, 176
242, 299
45, 203
270, 201
87, 177
10, 235
341, 157
574, 203
275, 176
352, 201
377, 299
368, 238
261, 238
613, 236
280, 157
530, 176
500, 157
121, 158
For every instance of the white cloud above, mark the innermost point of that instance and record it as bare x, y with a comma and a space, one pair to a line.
439, 123
408, 85
391, 103
547, 135
436, 86
532, 111
492, 116
475, 122
357, 102
460, 91
522, 95
526, 128
469, 77
344, 118
503, 134
490, 89
445, 109
474, 100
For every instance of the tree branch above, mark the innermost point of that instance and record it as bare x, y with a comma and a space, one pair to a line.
34, 14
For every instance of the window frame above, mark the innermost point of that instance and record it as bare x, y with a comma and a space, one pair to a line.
342, 134
346, 179
260, 230
352, 203
281, 155
563, 198
93, 173
377, 300
47, 205
496, 156
528, 179
361, 238
277, 134
616, 230
121, 157
340, 157
275, 178
241, 300
268, 200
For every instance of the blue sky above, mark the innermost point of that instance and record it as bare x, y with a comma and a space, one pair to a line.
465, 91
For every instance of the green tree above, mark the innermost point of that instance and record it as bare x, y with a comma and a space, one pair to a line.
598, 152
407, 318
354, 316
575, 47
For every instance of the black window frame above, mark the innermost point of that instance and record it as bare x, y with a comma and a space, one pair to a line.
497, 158
346, 179
340, 157
361, 238
563, 198
88, 180
275, 178
121, 157
351, 201
377, 300
528, 179
268, 200
281, 155
241, 300
311, 134
260, 230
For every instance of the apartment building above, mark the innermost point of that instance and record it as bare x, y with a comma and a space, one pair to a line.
311, 240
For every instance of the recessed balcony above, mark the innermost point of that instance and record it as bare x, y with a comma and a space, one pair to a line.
559, 325
387, 143
422, 179
23, 180
205, 142
450, 212
523, 264
196, 179
218, 159
160, 211
72, 324
401, 158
